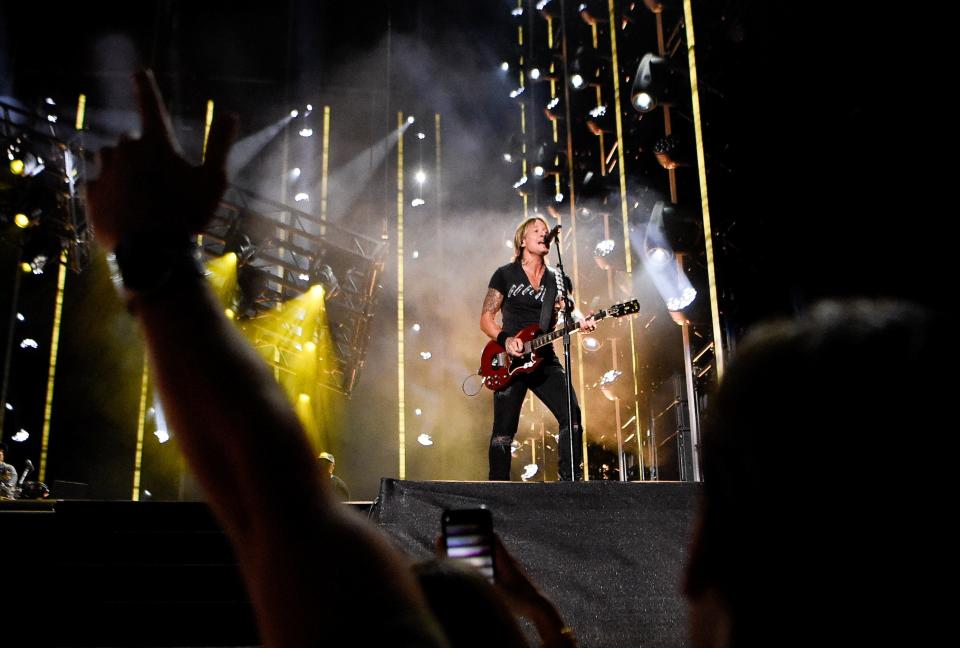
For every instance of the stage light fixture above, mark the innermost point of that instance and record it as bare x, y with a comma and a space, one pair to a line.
529, 471
425, 440
21, 220
593, 12
590, 343
602, 252
666, 151
306, 132
420, 176
650, 84
553, 110
611, 384
21, 436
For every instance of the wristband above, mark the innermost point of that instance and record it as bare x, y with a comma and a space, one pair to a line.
148, 265
502, 339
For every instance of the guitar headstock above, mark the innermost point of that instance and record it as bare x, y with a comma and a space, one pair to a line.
626, 308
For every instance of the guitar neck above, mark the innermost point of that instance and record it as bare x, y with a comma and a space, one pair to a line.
547, 338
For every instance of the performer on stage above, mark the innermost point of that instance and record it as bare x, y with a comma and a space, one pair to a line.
526, 292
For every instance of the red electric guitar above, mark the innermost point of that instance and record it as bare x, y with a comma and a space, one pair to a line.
498, 367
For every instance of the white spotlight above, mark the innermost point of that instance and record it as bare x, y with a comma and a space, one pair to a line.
425, 439
420, 176
504, 66
28, 343
162, 435
294, 113
535, 73
425, 355
659, 256
306, 132
416, 202
411, 119
418, 412
685, 299
538, 171
416, 254
21, 436
577, 81
529, 471
416, 328
421, 136
294, 173
301, 197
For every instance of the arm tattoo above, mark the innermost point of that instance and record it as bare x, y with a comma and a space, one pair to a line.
493, 301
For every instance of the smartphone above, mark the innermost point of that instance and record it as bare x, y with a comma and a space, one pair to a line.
468, 538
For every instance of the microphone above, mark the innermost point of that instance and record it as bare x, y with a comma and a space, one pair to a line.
26, 471
554, 233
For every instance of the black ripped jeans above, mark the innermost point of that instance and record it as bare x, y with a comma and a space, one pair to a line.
549, 384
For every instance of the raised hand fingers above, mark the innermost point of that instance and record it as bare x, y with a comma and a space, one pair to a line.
222, 133
153, 114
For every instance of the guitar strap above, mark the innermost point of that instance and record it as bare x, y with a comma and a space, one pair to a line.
549, 298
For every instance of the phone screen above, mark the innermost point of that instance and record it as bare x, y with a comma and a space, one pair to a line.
468, 538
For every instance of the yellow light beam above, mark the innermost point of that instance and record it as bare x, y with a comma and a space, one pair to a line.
704, 201
401, 404
324, 170
624, 211
141, 426
52, 371
207, 121
81, 111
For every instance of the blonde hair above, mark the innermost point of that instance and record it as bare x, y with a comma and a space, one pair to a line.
521, 232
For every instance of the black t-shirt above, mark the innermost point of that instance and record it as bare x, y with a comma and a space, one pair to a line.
521, 301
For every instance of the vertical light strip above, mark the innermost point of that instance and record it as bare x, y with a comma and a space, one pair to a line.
624, 211
324, 170
401, 404
141, 426
437, 187
52, 371
81, 111
573, 209
207, 121
704, 202
523, 119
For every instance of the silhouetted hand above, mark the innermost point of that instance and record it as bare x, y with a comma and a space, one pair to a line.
146, 189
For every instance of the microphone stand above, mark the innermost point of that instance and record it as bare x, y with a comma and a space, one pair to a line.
567, 319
